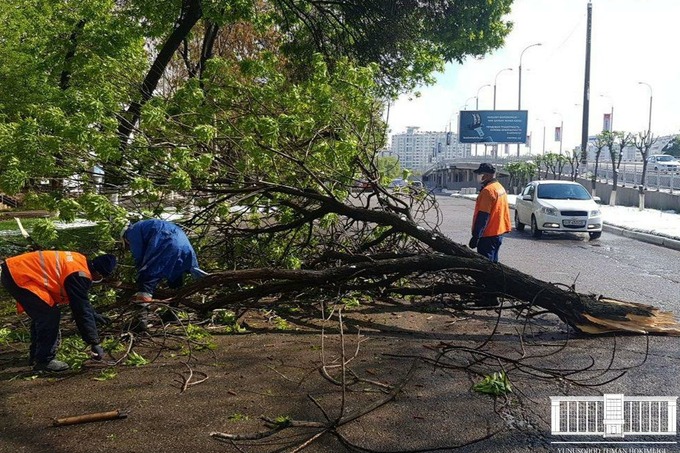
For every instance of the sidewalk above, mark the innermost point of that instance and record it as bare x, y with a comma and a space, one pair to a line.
649, 225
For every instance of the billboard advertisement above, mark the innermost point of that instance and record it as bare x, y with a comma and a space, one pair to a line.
492, 126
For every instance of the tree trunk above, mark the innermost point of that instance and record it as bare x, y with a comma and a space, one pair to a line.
586, 313
465, 274
190, 14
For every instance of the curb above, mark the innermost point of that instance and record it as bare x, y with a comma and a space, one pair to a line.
643, 237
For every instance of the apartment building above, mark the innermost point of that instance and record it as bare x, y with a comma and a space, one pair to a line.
418, 150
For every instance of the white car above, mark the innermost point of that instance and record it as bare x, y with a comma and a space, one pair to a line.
559, 206
663, 162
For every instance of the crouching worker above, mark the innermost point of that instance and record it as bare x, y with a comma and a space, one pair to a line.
41, 282
161, 251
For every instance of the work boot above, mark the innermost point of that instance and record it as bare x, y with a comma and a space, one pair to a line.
169, 316
140, 323
31, 354
53, 366
487, 301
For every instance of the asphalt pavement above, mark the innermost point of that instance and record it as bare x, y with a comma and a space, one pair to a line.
613, 265
650, 238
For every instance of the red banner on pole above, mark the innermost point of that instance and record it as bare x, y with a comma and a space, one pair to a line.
607, 126
558, 133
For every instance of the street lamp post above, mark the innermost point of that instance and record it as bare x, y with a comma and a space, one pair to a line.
465, 106
544, 138
477, 108
480, 89
649, 127
494, 148
543, 123
611, 113
519, 91
561, 129
495, 81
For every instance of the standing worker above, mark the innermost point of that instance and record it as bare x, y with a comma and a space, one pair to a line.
161, 250
40, 282
492, 214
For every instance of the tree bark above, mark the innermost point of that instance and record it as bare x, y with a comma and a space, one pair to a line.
190, 14
586, 313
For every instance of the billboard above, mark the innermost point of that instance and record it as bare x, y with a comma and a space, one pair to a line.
492, 126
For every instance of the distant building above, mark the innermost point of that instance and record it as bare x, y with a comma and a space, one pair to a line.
420, 150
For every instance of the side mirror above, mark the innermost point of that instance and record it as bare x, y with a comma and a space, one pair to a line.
527, 197
597, 199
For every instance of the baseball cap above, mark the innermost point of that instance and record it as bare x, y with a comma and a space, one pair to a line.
485, 168
104, 264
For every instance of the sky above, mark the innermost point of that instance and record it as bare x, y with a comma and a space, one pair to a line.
632, 41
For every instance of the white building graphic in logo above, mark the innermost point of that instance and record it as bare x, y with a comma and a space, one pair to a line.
613, 415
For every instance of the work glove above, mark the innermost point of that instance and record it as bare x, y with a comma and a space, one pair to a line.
97, 352
101, 319
473, 242
142, 298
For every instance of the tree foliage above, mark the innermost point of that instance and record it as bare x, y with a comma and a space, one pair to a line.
178, 99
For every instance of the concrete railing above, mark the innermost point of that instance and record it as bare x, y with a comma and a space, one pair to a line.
629, 196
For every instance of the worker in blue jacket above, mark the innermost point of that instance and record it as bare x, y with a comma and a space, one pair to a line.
161, 250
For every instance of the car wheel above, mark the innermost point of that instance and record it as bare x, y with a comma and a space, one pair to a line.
595, 235
519, 226
534, 228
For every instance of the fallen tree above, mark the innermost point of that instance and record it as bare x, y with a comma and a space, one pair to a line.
403, 259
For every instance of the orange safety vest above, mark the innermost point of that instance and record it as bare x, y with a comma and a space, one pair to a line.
494, 199
43, 273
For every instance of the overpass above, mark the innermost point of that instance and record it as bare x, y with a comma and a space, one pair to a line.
456, 175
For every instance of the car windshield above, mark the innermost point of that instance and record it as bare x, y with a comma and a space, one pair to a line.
664, 158
562, 192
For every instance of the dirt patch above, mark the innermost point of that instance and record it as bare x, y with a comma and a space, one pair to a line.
275, 373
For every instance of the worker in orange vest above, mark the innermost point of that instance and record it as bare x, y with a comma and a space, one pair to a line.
42, 281
491, 219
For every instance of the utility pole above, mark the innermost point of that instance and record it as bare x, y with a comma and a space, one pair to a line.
586, 89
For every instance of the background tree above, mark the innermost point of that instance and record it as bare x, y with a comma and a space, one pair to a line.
520, 174
617, 143
554, 164
599, 144
643, 142
572, 158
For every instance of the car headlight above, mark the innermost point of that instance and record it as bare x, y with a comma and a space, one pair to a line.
595, 213
549, 211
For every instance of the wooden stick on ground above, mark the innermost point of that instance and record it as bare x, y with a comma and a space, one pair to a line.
86, 418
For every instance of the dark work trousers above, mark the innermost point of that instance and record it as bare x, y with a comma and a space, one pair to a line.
44, 319
489, 246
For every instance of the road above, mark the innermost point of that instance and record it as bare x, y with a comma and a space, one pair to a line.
613, 266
